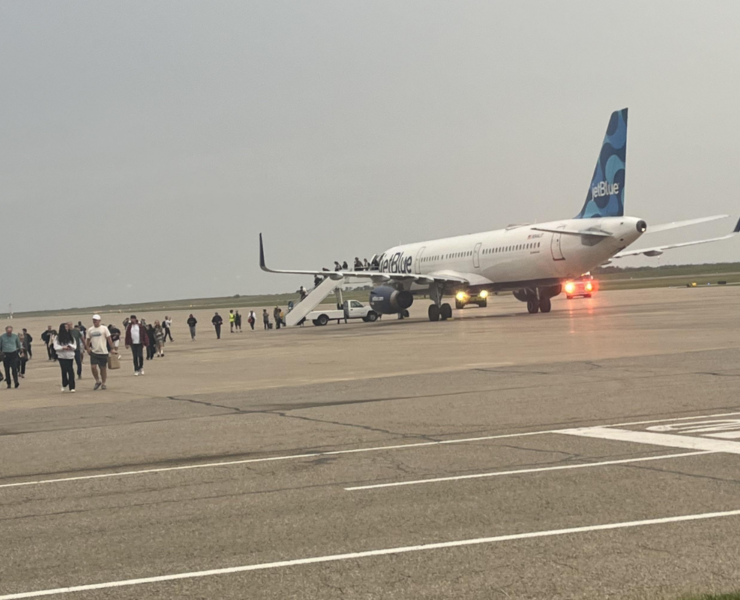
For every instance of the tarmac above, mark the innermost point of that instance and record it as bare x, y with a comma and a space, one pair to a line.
587, 453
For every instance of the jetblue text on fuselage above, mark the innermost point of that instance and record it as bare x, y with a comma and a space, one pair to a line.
396, 263
604, 189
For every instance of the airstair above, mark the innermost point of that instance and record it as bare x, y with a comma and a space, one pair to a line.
316, 297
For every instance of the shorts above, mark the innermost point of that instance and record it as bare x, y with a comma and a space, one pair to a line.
99, 360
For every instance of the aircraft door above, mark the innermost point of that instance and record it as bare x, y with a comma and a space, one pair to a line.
417, 260
555, 247
476, 255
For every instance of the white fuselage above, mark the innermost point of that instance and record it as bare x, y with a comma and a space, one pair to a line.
517, 255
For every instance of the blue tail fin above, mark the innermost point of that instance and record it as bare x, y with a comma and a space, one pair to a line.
606, 193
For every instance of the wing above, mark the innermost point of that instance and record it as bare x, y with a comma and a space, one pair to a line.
658, 250
584, 232
378, 277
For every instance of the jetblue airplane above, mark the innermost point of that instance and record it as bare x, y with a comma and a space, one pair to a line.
533, 261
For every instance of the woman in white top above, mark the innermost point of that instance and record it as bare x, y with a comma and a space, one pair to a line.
65, 347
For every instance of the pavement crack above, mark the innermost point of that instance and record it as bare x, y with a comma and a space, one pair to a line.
354, 425
211, 404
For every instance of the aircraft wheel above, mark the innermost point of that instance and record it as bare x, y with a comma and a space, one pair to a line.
545, 304
483, 303
433, 312
459, 305
532, 306
445, 312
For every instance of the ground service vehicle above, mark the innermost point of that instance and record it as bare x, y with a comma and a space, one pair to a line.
352, 310
462, 299
584, 286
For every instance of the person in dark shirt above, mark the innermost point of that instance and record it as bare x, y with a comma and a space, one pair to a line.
217, 322
27, 339
192, 322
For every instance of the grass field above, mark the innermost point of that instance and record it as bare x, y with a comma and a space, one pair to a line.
610, 278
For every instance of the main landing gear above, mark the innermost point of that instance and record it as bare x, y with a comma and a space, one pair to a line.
538, 302
438, 310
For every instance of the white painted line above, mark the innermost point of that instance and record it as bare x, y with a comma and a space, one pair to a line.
370, 553
656, 439
332, 453
524, 471
269, 459
672, 419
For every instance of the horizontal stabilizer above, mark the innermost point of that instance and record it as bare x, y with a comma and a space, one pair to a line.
677, 224
658, 250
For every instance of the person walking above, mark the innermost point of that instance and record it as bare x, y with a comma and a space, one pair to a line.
167, 326
276, 316
232, 320
98, 345
159, 338
10, 345
136, 338
252, 319
217, 322
65, 346
238, 321
45, 337
192, 322
82, 328
115, 335
265, 318
151, 347
22, 360
26, 342
79, 337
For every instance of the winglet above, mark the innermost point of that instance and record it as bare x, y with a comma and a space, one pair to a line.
737, 227
262, 255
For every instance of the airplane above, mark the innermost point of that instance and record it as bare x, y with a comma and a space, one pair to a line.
530, 260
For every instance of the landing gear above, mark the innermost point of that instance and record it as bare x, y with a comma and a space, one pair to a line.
438, 310
545, 304
532, 305
434, 312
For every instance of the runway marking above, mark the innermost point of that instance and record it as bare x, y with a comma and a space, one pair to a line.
337, 452
272, 458
656, 439
371, 553
524, 471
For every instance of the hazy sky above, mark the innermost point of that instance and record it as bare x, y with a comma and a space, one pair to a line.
145, 144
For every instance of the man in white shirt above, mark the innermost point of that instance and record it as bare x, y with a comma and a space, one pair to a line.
98, 345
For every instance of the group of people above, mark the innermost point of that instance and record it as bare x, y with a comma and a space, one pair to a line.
69, 344
359, 265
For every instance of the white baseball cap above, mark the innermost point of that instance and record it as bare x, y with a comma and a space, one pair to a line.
96, 318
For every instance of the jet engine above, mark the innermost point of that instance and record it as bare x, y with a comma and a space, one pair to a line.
390, 301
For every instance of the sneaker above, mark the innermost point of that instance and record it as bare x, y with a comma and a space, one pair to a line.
136, 373
71, 391
141, 372
64, 389
17, 385
97, 386
103, 387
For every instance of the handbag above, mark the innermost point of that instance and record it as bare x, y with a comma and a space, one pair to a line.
113, 362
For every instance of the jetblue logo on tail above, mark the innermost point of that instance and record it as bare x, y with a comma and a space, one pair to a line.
606, 193
604, 188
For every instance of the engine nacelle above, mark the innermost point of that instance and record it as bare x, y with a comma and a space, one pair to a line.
390, 301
